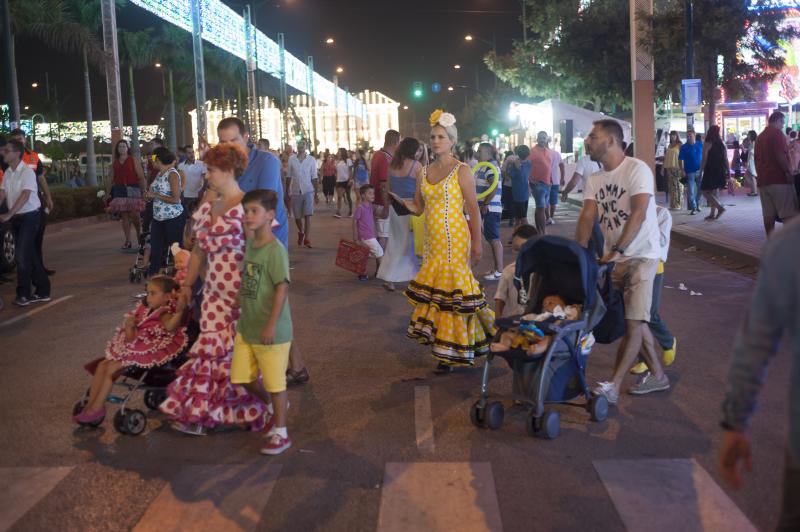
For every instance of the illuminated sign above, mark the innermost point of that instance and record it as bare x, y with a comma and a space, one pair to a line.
224, 28
772, 5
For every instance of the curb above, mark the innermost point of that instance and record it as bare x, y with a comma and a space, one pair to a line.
716, 248
77, 222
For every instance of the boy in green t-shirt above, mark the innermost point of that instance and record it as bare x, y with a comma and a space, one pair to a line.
265, 325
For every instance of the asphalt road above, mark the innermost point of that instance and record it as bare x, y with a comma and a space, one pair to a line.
363, 410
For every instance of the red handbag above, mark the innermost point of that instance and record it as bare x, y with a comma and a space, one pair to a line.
352, 256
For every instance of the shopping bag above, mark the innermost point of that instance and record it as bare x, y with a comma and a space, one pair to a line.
352, 256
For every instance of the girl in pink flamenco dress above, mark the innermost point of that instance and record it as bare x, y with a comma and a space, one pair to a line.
202, 396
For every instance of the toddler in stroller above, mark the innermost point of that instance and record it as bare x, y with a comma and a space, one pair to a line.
151, 337
547, 348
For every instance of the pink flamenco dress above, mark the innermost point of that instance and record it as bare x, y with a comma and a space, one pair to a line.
153, 345
202, 394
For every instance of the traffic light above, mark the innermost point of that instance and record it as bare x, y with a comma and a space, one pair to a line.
417, 89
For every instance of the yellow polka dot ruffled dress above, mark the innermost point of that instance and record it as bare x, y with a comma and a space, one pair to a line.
450, 311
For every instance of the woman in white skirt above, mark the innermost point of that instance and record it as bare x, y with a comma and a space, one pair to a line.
400, 264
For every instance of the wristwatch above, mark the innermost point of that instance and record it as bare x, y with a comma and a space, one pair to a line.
618, 249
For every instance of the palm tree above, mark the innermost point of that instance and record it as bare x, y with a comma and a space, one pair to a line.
69, 26
177, 45
138, 49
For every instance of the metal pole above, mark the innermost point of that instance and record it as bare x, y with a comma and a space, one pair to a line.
173, 124
9, 68
199, 72
494, 49
256, 85
336, 110
347, 115
643, 84
689, 53
251, 69
313, 103
108, 10
283, 96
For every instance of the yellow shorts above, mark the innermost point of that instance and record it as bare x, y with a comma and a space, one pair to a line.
272, 360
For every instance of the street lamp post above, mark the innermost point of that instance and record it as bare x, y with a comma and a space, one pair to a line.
493, 43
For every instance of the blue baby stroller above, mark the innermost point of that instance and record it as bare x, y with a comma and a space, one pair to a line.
548, 265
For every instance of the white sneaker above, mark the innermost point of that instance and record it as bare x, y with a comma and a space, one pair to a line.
493, 276
550, 221
607, 390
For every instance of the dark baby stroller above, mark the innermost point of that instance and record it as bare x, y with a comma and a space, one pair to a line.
131, 380
548, 265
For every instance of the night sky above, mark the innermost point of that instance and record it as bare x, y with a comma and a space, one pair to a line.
382, 45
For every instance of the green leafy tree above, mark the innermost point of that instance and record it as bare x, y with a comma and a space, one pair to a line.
580, 52
486, 111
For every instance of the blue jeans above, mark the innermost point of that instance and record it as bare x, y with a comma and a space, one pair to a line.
659, 329
163, 233
541, 194
29, 264
693, 190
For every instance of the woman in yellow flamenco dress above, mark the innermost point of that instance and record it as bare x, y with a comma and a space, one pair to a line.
450, 313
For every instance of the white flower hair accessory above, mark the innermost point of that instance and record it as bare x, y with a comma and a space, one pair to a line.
447, 120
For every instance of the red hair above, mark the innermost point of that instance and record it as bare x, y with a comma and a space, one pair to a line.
228, 157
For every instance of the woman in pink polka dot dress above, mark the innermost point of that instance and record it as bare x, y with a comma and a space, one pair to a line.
202, 396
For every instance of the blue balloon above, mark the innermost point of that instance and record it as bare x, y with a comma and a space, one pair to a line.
436, 87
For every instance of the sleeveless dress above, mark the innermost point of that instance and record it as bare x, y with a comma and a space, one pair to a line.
126, 196
399, 263
202, 392
450, 312
153, 345
714, 174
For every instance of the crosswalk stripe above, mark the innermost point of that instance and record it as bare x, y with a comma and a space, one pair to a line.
423, 420
213, 498
439, 496
663, 495
21, 488
35, 311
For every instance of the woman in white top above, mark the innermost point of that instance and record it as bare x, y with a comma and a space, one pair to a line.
400, 264
750, 176
343, 182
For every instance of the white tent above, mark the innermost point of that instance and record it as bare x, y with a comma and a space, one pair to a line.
547, 116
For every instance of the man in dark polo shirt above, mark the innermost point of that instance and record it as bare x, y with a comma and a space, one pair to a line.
775, 179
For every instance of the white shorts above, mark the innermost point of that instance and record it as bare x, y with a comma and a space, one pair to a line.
375, 249
382, 227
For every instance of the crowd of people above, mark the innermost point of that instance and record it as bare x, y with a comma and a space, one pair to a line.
423, 215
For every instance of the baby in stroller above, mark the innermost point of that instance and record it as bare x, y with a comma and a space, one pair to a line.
150, 336
548, 346
528, 336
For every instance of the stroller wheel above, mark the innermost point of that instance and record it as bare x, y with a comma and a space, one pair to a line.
550, 426
598, 408
131, 278
119, 422
153, 398
134, 422
476, 414
493, 416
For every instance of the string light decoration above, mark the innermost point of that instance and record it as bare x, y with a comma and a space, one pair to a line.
224, 28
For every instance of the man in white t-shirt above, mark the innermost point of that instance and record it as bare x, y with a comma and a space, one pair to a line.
193, 173
556, 178
20, 193
620, 198
583, 169
302, 191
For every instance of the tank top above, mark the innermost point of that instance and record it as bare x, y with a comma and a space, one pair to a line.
125, 173
404, 186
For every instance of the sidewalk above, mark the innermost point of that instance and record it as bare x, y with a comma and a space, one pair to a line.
739, 232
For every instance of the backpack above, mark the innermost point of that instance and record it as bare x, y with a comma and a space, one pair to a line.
612, 326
